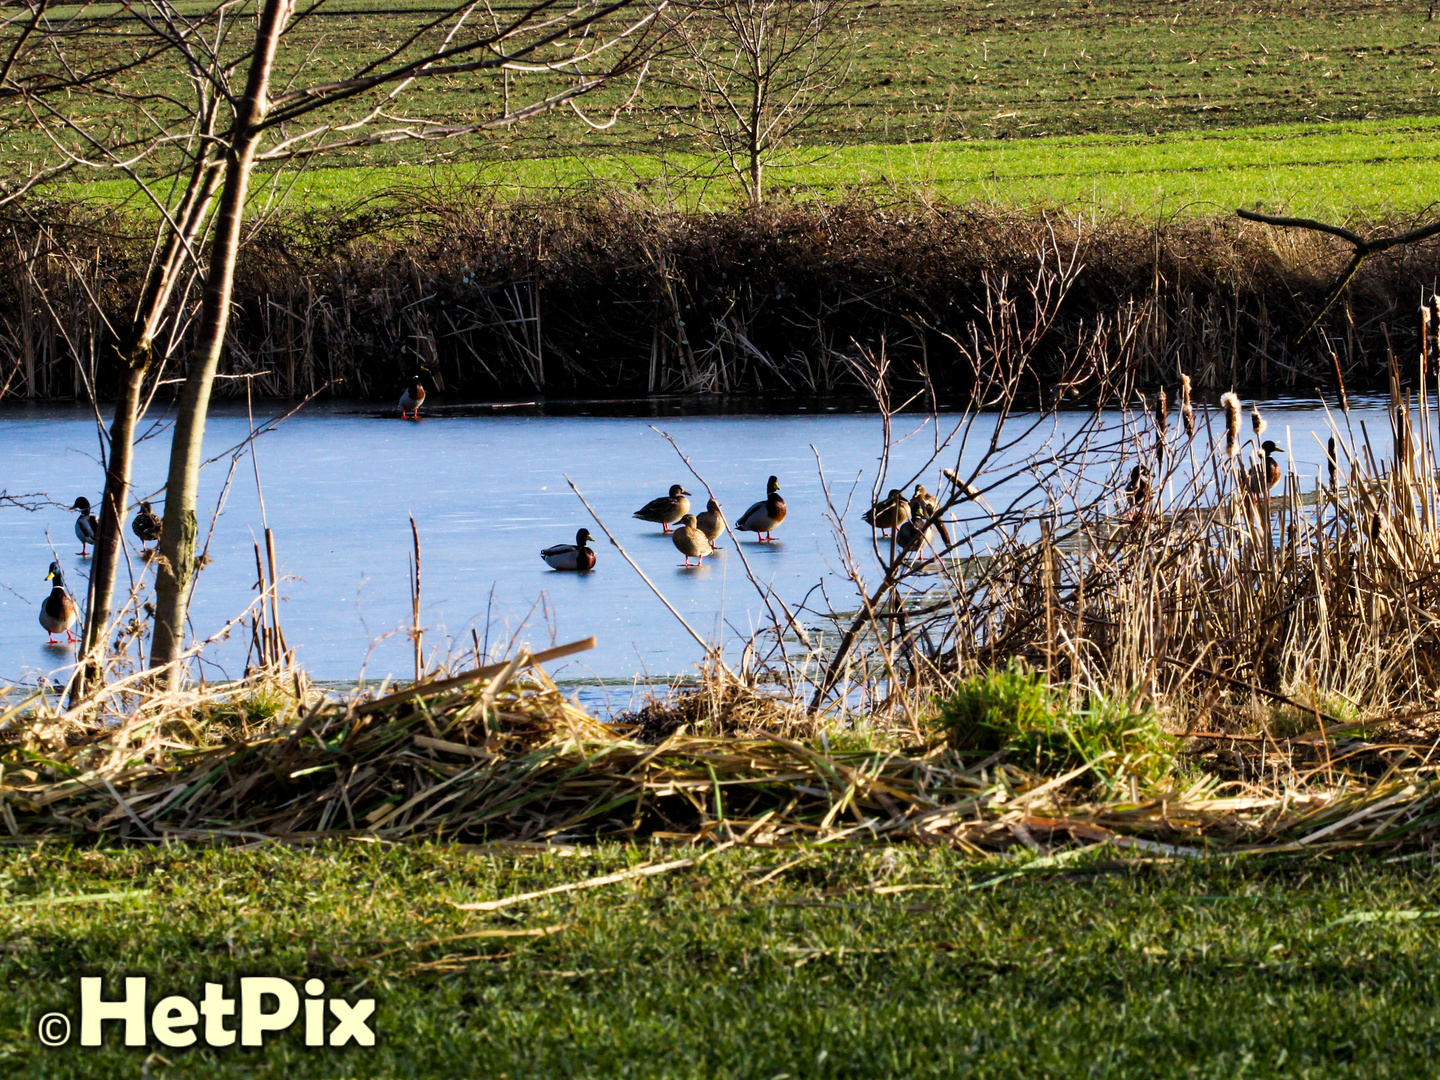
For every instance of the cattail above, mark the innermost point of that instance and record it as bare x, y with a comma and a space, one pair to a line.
1257, 423
1162, 423
1424, 341
1330, 460
1340, 382
1231, 404
970, 491
1187, 413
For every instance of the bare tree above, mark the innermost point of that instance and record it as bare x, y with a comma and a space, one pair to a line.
1361, 249
759, 71
187, 106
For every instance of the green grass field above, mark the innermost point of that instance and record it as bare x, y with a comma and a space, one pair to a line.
1308, 107
1339, 171
818, 963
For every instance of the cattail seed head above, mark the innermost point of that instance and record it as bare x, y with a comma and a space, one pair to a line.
1231, 404
1257, 422
1330, 460
1187, 412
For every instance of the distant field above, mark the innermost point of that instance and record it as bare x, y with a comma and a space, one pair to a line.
1367, 168
1195, 106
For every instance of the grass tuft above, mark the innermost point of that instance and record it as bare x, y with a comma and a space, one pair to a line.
1014, 711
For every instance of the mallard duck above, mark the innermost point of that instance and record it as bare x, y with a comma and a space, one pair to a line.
1138, 489
762, 518
889, 512
58, 612
922, 503
667, 509
690, 541
86, 527
711, 522
147, 524
1264, 475
412, 398
924, 507
574, 556
908, 535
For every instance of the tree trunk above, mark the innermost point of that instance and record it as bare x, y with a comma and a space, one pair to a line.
105, 565
175, 571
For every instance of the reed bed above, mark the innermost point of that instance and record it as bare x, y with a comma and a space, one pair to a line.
500, 756
605, 294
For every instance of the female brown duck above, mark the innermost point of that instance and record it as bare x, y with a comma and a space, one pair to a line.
889, 513
667, 509
147, 525
690, 541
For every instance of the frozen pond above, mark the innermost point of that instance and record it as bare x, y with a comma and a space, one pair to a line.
487, 489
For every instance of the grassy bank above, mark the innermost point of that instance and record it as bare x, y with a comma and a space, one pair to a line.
817, 963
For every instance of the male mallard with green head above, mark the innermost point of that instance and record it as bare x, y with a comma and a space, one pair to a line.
86, 527
1265, 474
58, 612
147, 525
762, 518
574, 556
889, 512
690, 541
711, 522
412, 398
667, 509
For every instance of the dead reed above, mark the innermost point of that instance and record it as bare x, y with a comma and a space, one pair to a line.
498, 755
609, 295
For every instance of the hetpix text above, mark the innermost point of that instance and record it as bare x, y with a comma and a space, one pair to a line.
265, 1006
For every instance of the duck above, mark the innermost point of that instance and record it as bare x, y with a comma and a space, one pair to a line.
58, 612
922, 503
412, 398
574, 556
908, 535
147, 525
711, 522
923, 507
1138, 489
1265, 474
690, 541
86, 527
889, 513
762, 518
667, 509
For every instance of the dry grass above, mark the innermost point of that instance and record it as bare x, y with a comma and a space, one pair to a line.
505, 758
